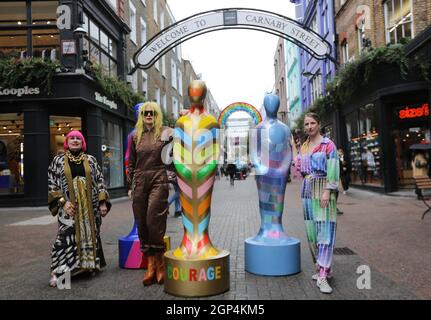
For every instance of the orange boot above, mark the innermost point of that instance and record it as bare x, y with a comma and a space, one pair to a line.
150, 275
160, 263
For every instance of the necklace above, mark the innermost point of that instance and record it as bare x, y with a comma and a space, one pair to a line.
75, 159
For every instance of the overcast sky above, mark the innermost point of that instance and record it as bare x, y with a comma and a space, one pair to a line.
237, 65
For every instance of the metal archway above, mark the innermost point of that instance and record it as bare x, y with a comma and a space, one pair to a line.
231, 18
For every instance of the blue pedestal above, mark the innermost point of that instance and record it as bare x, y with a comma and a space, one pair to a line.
272, 259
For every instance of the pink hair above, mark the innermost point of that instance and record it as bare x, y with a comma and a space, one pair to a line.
75, 133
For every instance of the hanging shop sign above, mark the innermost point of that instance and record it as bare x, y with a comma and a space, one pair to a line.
414, 112
19, 92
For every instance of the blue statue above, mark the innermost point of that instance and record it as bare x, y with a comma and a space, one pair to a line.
271, 251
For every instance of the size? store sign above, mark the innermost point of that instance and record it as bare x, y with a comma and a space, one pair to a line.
414, 112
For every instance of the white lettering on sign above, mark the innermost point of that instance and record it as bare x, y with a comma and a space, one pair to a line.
19, 91
286, 27
179, 32
105, 101
182, 31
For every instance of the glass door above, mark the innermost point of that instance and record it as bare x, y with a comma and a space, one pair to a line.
403, 139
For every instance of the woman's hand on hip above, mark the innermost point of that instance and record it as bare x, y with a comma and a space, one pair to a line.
103, 209
324, 199
69, 208
129, 193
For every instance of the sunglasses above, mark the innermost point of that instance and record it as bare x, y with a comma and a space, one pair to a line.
149, 113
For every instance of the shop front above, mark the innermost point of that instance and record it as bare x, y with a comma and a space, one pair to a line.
35, 118
411, 125
377, 132
33, 129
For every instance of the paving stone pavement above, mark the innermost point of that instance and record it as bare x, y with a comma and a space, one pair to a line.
25, 255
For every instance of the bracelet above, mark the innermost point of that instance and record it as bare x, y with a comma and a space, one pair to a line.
61, 202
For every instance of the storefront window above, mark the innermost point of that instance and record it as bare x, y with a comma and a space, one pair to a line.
112, 155
364, 146
11, 153
353, 145
18, 8
42, 29
371, 150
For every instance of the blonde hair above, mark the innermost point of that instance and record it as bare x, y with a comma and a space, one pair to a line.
158, 121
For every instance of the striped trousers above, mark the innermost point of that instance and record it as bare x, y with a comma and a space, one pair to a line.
320, 223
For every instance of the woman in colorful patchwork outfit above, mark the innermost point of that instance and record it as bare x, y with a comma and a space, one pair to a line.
318, 163
148, 187
77, 195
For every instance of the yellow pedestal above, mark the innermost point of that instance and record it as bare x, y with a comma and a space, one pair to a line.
167, 241
197, 278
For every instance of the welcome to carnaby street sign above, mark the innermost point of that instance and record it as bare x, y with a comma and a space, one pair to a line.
231, 18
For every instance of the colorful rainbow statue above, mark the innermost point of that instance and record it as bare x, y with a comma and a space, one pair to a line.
271, 252
196, 268
239, 106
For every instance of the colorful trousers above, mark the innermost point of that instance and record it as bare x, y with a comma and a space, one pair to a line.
320, 223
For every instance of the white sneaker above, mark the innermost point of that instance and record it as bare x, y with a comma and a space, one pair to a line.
323, 285
344, 192
53, 281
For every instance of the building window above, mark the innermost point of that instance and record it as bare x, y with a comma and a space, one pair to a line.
155, 10
179, 53
163, 103
313, 25
363, 146
175, 106
398, 20
180, 82
164, 66
101, 47
134, 77
345, 52
42, 30
316, 86
112, 158
132, 22
361, 36
143, 32
144, 83
173, 74
11, 153
157, 96
157, 64
162, 19
114, 4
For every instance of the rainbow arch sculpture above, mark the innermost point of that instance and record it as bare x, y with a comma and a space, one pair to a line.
239, 106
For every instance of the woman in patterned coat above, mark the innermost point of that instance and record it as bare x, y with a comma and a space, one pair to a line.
319, 165
78, 196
